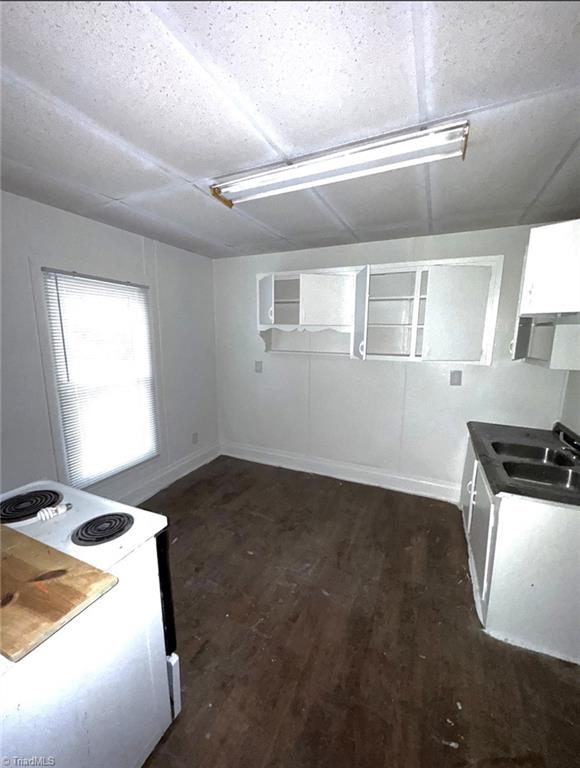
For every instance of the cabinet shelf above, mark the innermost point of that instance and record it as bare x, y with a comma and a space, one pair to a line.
311, 352
389, 355
393, 325
390, 325
299, 327
396, 298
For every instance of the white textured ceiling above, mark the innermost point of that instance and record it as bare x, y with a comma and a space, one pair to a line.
123, 112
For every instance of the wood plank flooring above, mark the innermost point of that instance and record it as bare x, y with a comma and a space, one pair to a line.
325, 624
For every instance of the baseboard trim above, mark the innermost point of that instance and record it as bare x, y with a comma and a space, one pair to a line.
356, 473
169, 475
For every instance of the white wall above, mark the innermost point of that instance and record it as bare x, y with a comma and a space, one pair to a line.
395, 424
181, 282
391, 423
571, 406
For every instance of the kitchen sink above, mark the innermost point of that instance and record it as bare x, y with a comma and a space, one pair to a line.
543, 474
537, 452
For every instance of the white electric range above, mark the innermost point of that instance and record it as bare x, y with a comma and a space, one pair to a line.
104, 688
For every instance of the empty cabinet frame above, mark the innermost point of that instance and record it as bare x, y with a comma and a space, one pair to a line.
443, 310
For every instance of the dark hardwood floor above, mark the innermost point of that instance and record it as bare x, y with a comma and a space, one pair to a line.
324, 624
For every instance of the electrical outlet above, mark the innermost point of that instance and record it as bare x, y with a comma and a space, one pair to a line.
195, 438
455, 378
258, 366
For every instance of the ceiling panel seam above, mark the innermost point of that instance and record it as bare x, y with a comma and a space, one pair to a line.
237, 100
235, 96
376, 231
83, 120
333, 212
72, 186
92, 126
243, 215
509, 102
134, 201
417, 13
92, 209
551, 177
171, 225
146, 194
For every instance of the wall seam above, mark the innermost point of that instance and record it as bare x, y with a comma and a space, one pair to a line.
161, 362
218, 398
53, 438
563, 395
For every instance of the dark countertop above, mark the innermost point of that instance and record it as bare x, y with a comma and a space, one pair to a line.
484, 434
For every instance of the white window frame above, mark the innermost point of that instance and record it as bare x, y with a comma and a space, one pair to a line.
49, 372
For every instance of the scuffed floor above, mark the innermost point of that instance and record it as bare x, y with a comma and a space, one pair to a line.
324, 624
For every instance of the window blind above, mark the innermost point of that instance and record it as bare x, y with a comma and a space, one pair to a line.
103, 361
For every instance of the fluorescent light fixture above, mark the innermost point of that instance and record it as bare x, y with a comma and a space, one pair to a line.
384, 153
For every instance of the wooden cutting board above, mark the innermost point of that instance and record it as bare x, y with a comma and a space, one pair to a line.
42, 589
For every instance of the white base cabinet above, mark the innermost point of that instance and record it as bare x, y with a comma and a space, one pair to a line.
524, 566
479, 509
481, 538
534, 599
467, 487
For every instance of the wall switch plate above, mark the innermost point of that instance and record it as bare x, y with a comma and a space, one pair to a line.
455, 378
195, 438
258, 366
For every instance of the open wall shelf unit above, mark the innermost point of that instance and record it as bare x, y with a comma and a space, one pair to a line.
443, 310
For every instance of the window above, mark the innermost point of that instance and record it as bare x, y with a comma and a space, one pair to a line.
101, 344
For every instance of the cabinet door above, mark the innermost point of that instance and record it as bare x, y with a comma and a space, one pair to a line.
467, 487
457, 300
541, 342
266, 300
326, 300
481, 536
566, 348
551, 280
520, 346
361, 304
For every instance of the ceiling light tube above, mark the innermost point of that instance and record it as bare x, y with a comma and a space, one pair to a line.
386, 153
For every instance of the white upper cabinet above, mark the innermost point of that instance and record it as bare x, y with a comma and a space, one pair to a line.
429, 310
548, 321
456, 311
551, 281
565, 354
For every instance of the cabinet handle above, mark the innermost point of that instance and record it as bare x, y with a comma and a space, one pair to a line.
512, 343
271, 314
361, 348
470, 486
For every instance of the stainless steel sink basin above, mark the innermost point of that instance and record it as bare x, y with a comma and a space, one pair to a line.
536, 452
543, 474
